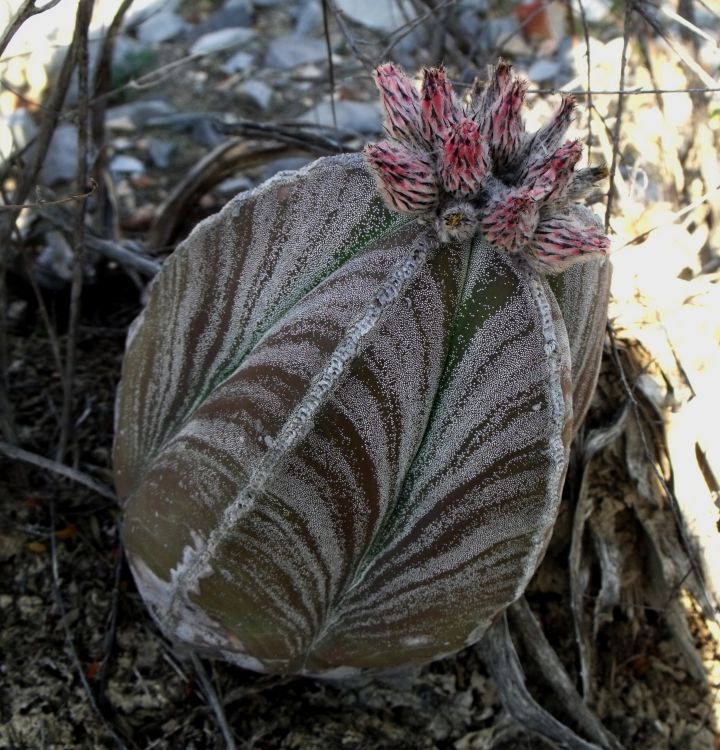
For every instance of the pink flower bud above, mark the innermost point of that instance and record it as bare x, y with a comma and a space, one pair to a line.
509, 220
400, 101
464, 160
561, 241
406, 178
440, 110
549, 137
548, 178
503, 127
498, 80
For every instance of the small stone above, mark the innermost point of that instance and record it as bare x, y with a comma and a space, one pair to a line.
544, 70
124, 164
161, 27
129, 117
15, 313
287, 52
505, 31
230, 16
141, 10
159, 152
258, 92
308, 18
62, 157
234, 185
54, 266
238, 63
283, 165
16, 130
216, 41
595, 10
356, 117
378, 14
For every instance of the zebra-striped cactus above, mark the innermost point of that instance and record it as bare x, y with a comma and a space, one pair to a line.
341, 439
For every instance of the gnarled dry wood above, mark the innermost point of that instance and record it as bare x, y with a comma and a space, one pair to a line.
554, 672
502, 661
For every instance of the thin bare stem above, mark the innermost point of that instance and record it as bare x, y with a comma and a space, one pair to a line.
7, 225
214, 701
69, 641
18, 454
44, 316
588, 93
331, 66
40, 204
82, 23
629, 4
104, 219
109, 639
28, 10
364, 60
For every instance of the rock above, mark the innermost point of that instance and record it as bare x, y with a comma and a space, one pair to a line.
544, 70
267, 3
159, 152
16, 130
286, 52
377, 14
709, 55
356, 117
282, 165
61, 161
142, 10
53, 268
239, 62
258, 92
595, 10
161, 27
124, 164
308, 17
216, 41
497, 30
229, 16
129, 117
234, 185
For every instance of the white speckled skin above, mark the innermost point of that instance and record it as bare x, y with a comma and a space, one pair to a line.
342, 446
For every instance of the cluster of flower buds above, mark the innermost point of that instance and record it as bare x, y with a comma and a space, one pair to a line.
475, 168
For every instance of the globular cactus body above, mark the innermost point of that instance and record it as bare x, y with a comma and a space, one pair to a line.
341, 442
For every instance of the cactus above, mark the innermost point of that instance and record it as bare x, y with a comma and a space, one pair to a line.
344, 419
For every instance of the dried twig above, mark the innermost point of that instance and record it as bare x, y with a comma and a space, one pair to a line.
18, 454
82, 23
553, 671
214, 701
669, 494
400, 33
629, 4
62, 219
27, 10
109, 639
104, 219
38, 204
588, 92
60, 603
364, 60
331, 65
8, 219
502, 661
